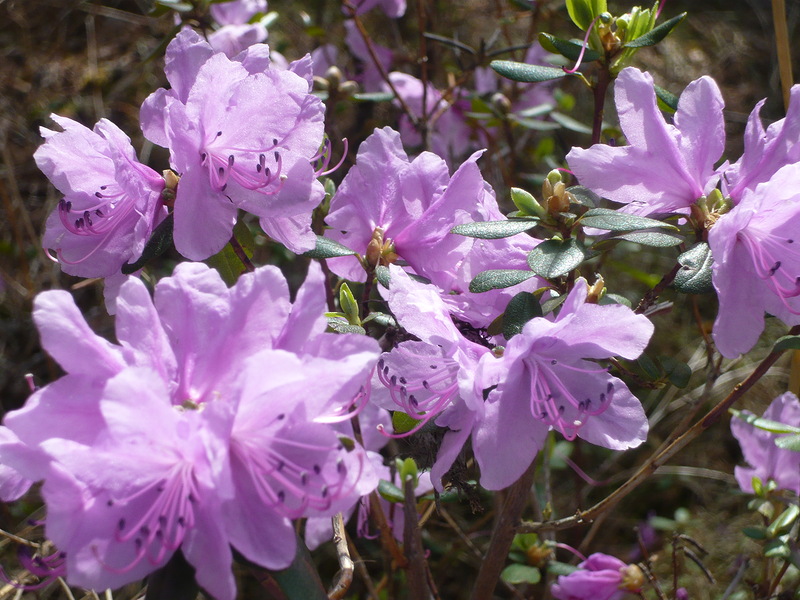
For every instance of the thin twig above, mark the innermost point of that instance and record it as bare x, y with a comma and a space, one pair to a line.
372, 593
784, 49
412, 545
344, 577
374, 56
241, 254
660, 456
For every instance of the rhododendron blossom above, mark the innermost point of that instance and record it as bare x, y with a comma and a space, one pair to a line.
111, 201
230, 151
599, 577
769, 462
664, 168
215, 406
547, 379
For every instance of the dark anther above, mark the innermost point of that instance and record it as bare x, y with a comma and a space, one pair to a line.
425, 384
281, 496
554, 362
221, 171
403, 380
774, 268
317, 469
98, 194
121, 524
219, 133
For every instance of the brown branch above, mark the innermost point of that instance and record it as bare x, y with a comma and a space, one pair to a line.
344, 577
412, 544
502, 536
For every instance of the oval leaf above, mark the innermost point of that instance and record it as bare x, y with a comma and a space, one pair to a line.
517, 71
584, 196
669, 99
517, 573
655, 35
494, 230
327, 248
694, 277
522, 308
567, 48
498, 279
789, 442
554, 257
787, 342
390, 492
656, 239
614, 220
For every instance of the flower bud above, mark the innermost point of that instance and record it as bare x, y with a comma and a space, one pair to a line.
501, 103
632, 578
334, 77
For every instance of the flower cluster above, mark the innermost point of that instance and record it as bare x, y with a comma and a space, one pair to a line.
208, 427
670, 169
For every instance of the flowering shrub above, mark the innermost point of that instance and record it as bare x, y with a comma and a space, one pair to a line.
441, 348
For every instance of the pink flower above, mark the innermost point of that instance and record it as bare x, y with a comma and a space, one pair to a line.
231, 152
769, 462
111, 201
599, 577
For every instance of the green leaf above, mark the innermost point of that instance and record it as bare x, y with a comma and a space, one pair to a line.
569, 123
517, 573
669, 99
327, 248
518, 71
582, 12
390, 492
160, 241
522, 308
694, 276
777, 549
655, 35
554, 257
525, 201
584, 196
789, 442
383, 275
349, 305
649, 366
648, 237
614, 220
567, 48
300, 581
783, 523
678, 373
765, 424
342, 326
755, 533
559, 568
402, 423
227, 262
534, 124
373, 97
787, 342
380, 318
494, 230
550, 305
498, 279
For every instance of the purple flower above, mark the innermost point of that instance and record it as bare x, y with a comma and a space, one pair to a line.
769, 462
231, 153
756, 250
392, 8
111, 201
369, 77
547, 379
389, 207
434, 378
237, 32
765, 151
664, 168
450, 134
599, 577
215, 406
